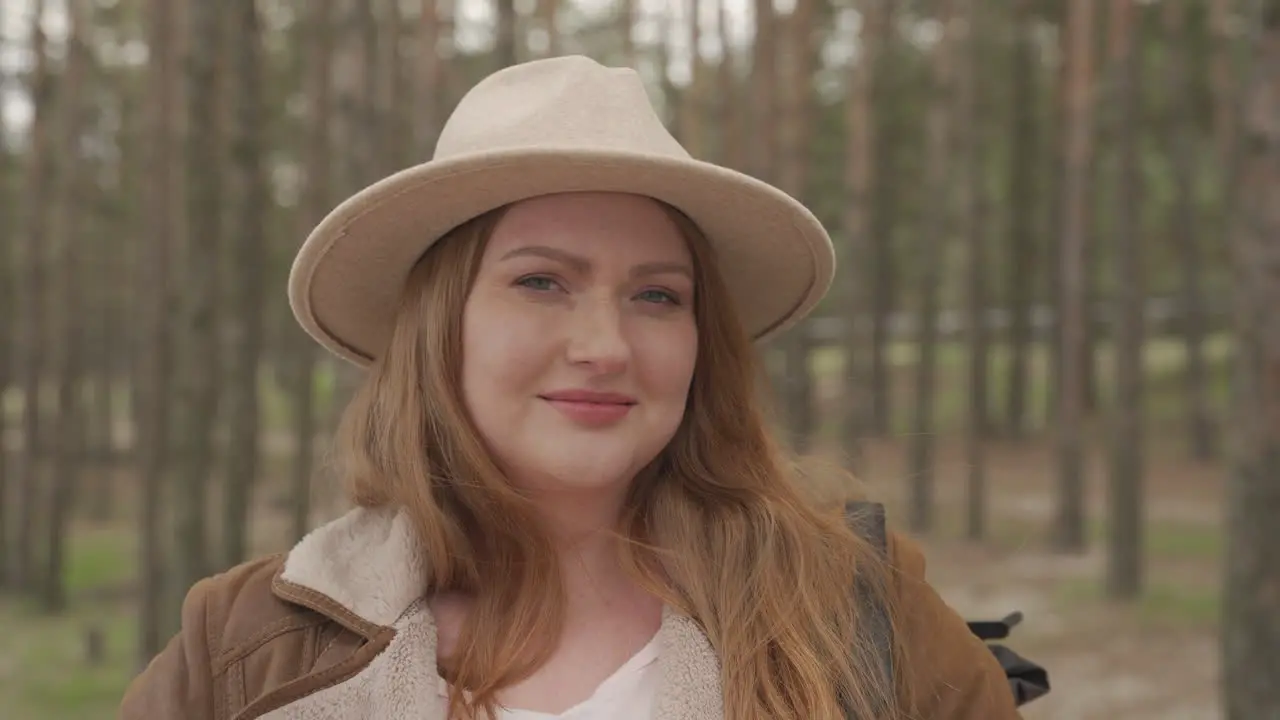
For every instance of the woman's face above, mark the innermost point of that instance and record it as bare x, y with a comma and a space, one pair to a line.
579, 340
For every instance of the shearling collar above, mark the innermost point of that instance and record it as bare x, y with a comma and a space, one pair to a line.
365, 571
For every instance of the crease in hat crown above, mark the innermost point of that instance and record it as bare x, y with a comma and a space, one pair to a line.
564, 103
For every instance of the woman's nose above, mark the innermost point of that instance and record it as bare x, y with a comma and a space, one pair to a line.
596, 337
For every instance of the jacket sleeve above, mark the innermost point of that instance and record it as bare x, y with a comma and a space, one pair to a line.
952, 673
178, 682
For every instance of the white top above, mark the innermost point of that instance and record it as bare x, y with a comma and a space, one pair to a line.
627, 694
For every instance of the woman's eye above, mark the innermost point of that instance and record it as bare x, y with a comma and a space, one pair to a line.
659, 296
537, 282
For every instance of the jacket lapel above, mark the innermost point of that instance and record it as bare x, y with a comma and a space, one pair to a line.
364, 570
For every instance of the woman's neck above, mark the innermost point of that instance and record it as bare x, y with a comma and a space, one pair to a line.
584, 532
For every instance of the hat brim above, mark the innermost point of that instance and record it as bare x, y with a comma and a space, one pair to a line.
776, 259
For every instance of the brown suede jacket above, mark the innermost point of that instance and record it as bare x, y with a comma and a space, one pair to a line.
336, 630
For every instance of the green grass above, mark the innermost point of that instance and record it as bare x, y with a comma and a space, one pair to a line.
100, 559
1163, 540
44, 671
1163, 604
1164, 360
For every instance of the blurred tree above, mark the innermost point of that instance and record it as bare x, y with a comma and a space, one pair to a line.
318, 38
163, 202
888, 102
34, 300
547, 12
1186, 227
8, 338
198, 365
70, 223
931, 248
1251, 610
505, 51
1069, 531
247, 291
1127, 434
972, 143
860, 160
1021, 254
794, 136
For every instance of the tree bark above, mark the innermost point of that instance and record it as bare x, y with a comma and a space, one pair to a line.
1186, 230
793, 145
34, 351
764, 92
931, 251
1251, 631
9, 299
198, 366
1124, 556
71, 191
1022, 201
317, 199
1069, 531
505, 43
547, 10
693, 116
162, 200
860, 159
887, 105
248, 299
429, 89
763, 153
733, 146
971, 154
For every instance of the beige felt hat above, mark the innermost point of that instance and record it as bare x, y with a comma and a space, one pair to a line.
559, 125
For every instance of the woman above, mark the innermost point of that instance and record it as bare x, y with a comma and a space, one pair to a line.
568, 504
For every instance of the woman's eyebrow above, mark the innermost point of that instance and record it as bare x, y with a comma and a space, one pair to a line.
577, 262
581, 264
658, 268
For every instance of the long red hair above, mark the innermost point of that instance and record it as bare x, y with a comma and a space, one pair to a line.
720, 525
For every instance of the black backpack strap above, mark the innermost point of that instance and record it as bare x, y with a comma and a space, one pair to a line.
868, 520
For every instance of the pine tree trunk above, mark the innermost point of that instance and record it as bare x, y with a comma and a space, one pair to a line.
1069, 530
860, 159
971, 155
505, 43
199, 366
34, 297
68, 231
9, 298
931, 251
163, 202
1124, 566
1251, 631
1022, 241
246, 312
317, 199
1186, 231
729, 119
886, 94
693, 118
764, 92
428, 86
793, 144
547, 10
763, 153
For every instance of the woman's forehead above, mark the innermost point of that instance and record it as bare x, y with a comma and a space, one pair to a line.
592, 225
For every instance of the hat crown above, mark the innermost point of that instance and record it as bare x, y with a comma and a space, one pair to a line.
561, 104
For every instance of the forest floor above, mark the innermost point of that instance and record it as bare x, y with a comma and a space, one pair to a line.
1153, 658
1156, 658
